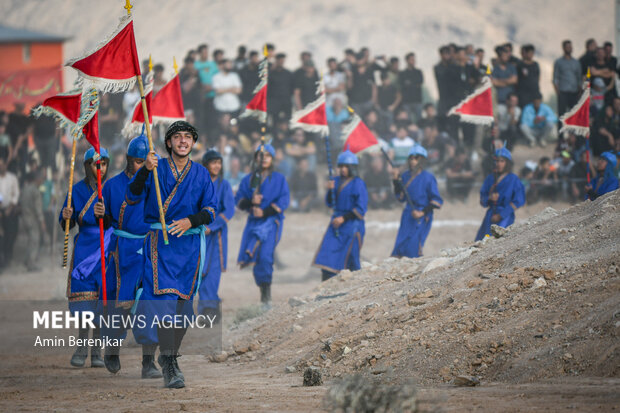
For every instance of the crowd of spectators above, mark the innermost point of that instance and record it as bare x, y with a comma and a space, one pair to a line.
389, 94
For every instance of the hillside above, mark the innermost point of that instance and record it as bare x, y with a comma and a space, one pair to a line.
541, 302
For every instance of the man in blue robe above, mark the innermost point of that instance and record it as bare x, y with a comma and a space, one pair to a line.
265, 202
418, 189
126, 260
342, 242
172, 272
605, 180
84, 279
502, 193
216, 237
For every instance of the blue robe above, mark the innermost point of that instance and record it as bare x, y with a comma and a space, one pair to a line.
125, 260
605, 184
412, 233
84, 279
217, 246
172, 271
340, 248
261, 235
511, 197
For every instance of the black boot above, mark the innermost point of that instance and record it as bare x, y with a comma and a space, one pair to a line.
149, 371
95, 351
112, 360
81, 352
171, 378
265, 295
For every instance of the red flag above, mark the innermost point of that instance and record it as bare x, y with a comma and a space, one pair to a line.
257, 107
477, 108
65, 107
167, 105
312, 118
577, 120
137, 118
113, 65
358, 136
91, 132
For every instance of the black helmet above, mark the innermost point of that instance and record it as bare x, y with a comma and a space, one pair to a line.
210, 155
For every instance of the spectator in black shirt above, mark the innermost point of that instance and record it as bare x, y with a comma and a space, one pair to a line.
411, 80
603, 132
442, 76
362, 90
512, 59
579, 177
17, 128
190, 86
280, 89
460, 176
304, 188
528, 75
600, 68
241, 60
479, 63
389, 97
45, 140
249, 78
587, 59
305, 83
611, 60
377, 181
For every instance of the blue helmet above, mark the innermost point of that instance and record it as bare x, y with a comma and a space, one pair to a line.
269, 149
504, 153
138, 147
418, 150
347, 158
90, 154
610, 158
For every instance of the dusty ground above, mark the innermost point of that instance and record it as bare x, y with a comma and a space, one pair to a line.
548, 349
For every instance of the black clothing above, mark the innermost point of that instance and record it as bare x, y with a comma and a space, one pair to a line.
411, 80
528, 85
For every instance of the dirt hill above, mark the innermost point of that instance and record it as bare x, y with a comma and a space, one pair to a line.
542, 301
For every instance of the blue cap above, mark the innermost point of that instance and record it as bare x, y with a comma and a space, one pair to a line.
610, 157
90, 154
504, 153
269, 149
347, 158
418, 150
138, 147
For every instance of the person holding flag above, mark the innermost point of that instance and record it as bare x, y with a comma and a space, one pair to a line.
605, 180
216, 237
84, 281
125, 262
342, 242
418, 189
502, 193
172, 272
264, 198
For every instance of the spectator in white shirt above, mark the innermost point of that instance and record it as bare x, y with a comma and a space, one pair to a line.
335, 83
9, 193
227, 86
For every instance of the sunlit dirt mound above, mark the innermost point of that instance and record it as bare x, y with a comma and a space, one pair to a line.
540, 301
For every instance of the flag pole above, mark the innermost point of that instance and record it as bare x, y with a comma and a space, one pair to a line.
162, 218
257, 178
588, 177
65, 251
101, 236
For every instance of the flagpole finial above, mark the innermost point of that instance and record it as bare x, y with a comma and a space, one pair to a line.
265, 52
128, 7
350, 109
150, 63
588, 74
174, 65
488, 70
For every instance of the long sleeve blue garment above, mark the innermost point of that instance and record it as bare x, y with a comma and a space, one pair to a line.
511, 197
603, 185
423, 194
84, 279
125, 264
261, 235
340, 248
172, 271
530, 113
217, 246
